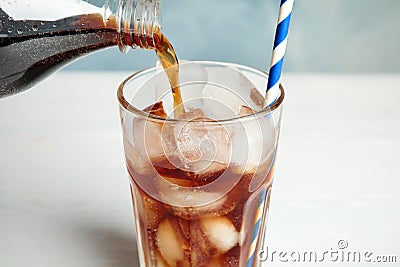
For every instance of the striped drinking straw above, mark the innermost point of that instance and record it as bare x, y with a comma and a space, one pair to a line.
256, 229
274, 77
281, 36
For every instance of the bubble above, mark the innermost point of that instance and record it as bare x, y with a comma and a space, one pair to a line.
189, 198
19, 31
35, 28
9, 30
10, 18
42, 23
55, 25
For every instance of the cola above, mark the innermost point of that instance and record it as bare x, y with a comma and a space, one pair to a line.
196, 200
200, 181
31, 50
214, 234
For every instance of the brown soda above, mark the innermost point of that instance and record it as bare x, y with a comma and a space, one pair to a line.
183, 227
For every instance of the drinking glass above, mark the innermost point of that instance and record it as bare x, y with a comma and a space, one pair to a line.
200, 182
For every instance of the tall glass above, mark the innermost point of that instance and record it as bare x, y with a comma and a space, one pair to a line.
201, 182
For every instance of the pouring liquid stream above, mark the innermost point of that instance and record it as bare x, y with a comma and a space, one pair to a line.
168, 59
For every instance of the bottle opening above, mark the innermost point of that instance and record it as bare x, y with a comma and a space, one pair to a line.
139, 24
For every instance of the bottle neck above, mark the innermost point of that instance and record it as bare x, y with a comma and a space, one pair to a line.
138, 23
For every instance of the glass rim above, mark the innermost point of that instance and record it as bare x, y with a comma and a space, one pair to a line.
154, 118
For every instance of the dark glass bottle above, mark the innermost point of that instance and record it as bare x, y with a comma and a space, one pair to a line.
38, 37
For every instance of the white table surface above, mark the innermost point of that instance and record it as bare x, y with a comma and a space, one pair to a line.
64, 198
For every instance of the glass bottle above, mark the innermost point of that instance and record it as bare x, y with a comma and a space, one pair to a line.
38, 37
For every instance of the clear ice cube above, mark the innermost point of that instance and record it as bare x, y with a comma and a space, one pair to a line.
218, 90
202, 148
170, 242
253, 140
220, 232
231, 89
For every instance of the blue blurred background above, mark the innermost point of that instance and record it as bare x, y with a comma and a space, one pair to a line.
325, 36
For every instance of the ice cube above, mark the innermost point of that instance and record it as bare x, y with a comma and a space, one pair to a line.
218, 90
179, 196
149, 135
220, 103
170, 243
135, 160
216, 208
192, 77
194, 202
220, 232
254, 141
202, 147
231, 88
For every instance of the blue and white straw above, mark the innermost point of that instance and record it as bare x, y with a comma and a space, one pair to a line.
256, 229
281, 36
